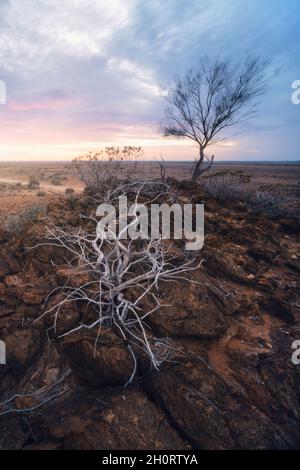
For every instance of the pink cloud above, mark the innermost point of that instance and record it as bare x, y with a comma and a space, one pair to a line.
41, 103
30, 106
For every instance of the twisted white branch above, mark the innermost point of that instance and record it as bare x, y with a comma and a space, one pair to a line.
122, 276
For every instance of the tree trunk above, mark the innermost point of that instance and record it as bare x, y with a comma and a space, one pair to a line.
197, 167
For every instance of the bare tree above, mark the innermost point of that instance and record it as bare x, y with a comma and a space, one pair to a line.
162, 168
211, 98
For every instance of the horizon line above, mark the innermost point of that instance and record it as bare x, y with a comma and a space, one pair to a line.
156, 161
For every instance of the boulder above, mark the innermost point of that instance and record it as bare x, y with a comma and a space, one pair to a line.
98, 361
22, 347
197, 312
129, 422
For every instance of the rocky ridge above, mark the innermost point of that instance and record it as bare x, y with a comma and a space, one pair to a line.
230, 383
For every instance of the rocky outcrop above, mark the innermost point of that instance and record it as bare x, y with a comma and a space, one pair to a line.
229, 382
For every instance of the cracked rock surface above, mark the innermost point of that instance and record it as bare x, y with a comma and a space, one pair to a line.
231, 383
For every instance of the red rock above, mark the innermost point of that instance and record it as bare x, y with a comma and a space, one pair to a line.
131, 422
24, 289
22, 347
107, 363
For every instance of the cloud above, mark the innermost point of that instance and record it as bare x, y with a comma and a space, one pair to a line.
38, 33
142, 78
83, 71
47, 100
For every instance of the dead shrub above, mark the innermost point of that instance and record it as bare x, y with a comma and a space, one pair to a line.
105, 169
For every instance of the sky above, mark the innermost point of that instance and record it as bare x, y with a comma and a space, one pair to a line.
83, 74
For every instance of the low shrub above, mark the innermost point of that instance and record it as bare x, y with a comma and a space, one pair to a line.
69, 192
33, 183
228, 189
16, 223
56, 180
